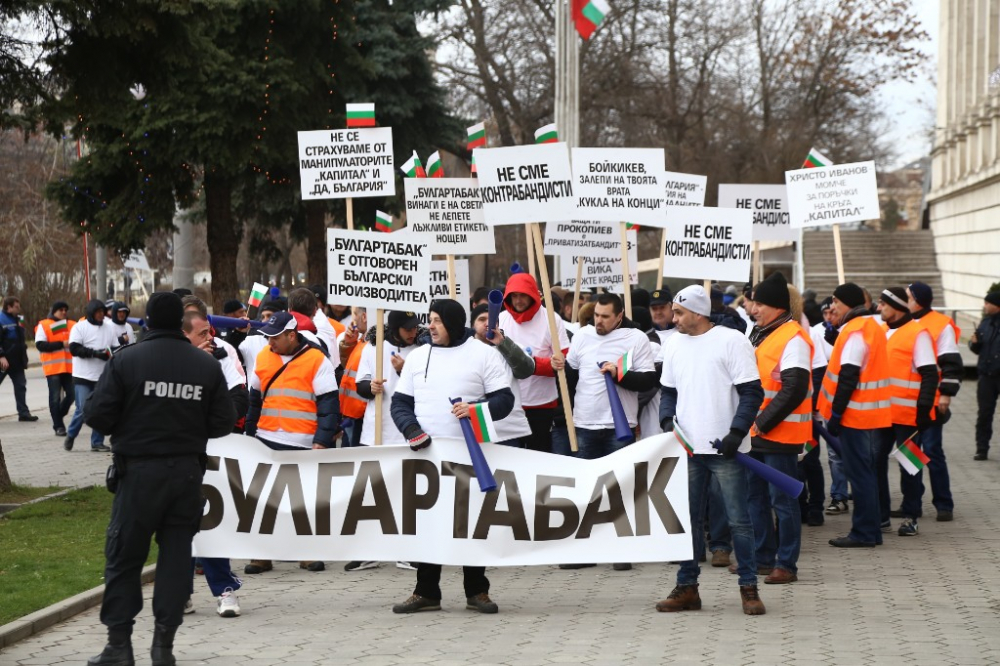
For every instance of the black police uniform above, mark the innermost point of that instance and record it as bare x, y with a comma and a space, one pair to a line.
160, 400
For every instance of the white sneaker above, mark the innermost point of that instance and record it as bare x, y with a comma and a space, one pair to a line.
229, 606
188, 606
406, 565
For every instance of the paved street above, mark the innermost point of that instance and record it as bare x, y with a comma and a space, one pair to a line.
932, 599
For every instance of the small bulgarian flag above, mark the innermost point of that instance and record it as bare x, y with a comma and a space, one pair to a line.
588, 14
473, 163
361, 115
910, 457
59, 326
434, 168
624, 364
547, 134
816, 159
257, 294
413, 168
477, 136
383, 221
629, 226
682, 438
482, 422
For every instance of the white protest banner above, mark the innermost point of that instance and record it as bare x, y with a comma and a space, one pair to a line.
709, 243
447, 213
337, 164
833, 194
137, 261
619, 184
684, 189
607, 271
439, 285
522, 184
392, 504
377, 270
769, 204
583, 239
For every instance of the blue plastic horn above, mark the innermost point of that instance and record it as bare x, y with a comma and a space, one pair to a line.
495, 304
483, 473
220, 322
623, 432
516, 268
135, 321
832, 442
783, 482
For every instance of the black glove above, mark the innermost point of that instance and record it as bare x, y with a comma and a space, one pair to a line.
731, 443
833, 425
102, 354
417, 438
667, 425
924, 420
123, 339
943, 415
831, 335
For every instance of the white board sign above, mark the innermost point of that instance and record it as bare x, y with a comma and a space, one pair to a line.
337, 164
447, 214
769, 203
606, 272
583, 239
439, 285
709, 243
619, 184
137, 260
521, 184
376, 270
684, 189
833, 194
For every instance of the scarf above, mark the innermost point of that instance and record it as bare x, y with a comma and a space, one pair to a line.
760, 333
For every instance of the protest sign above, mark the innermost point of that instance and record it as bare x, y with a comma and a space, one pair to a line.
607, 271
137, 261
833, 194
447, 214
769, 203
583, 239
388, 271
389, 503
619, 184
439, 285
521, 184
709, 243
684, 189
338, 164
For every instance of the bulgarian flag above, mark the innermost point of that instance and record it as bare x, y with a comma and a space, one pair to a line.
910, 457
383, 221
434, 168
413, 168
682, 438
629, 226
59, 326
482, 422
547, 134
477, 136
625, 363
816, 159
588, 14
810, 445
361, 115
257, 294
473, 163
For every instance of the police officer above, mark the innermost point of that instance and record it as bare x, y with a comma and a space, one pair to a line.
160, 400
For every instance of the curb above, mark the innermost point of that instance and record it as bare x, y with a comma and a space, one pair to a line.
7, 508
36, 622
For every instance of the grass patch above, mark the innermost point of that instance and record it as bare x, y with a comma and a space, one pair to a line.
53, 550
20, 494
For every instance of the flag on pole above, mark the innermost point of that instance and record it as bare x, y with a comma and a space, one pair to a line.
257, 294
588, 14
810, 445
547, 134
361, 115
383, 221
59, 326
682, 438
434, 168
477, 136
473, 164
629, 226
482, 422
413, 167
624, 364
816, 159
910, 457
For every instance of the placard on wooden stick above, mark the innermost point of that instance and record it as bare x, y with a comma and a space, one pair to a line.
339, 164
447, 214
709, 243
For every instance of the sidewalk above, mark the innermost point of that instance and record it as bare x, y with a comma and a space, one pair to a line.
931, 599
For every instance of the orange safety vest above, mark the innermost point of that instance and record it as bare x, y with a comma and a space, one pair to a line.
290, 404
352, 405
796, 428
935, 322
868, 407
338, 328
57, 362
904, 380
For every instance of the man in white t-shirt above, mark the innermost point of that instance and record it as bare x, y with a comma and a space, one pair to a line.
711, 391
90, 343
515, 426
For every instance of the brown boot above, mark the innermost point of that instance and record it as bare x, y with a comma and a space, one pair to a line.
681, 598
752, 605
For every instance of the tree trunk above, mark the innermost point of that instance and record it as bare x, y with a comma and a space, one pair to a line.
223, 238
316, 267
5, 482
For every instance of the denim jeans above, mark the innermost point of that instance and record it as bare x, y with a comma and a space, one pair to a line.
887, 438
781, 549
838, 480
560, 440
733, 487
813, 500
719, 537
860, 449
595, 444
218, 574
20, 381
913, 486
82, 392
61, 397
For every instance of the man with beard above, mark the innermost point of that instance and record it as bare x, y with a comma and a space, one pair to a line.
90, 343
519, 366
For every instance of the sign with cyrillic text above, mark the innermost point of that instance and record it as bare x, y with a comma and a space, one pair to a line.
439, 285
833, 194
521, 184
447, 213
619, 184
337, 164
137, 261
709, 243
769, 203
604, 271
583, 239
376, 270
389, 503
684, 189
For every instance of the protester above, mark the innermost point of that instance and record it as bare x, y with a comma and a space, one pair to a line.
235, 336
255, 342
351, 345
660, 309
14, 355
585, 316
52, 342
514, 426
810, 308
320, 293
221, 350
160, 401
453, 365
985, 343
118, 320
855, 401
91, 344
724, 315
813, 498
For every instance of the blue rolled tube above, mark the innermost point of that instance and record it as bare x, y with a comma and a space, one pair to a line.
786, 484
483, 473
135, 321
218, 321
495, 299
623, 432
516, 268
832, 442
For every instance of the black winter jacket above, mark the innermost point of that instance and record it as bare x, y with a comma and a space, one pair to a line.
988, 346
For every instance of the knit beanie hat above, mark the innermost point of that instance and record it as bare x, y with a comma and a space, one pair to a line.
59, 305
165, 310
922, 294
476, 311
850, 295
452, 316
993, 298
693, 298
773, 291
896, 298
